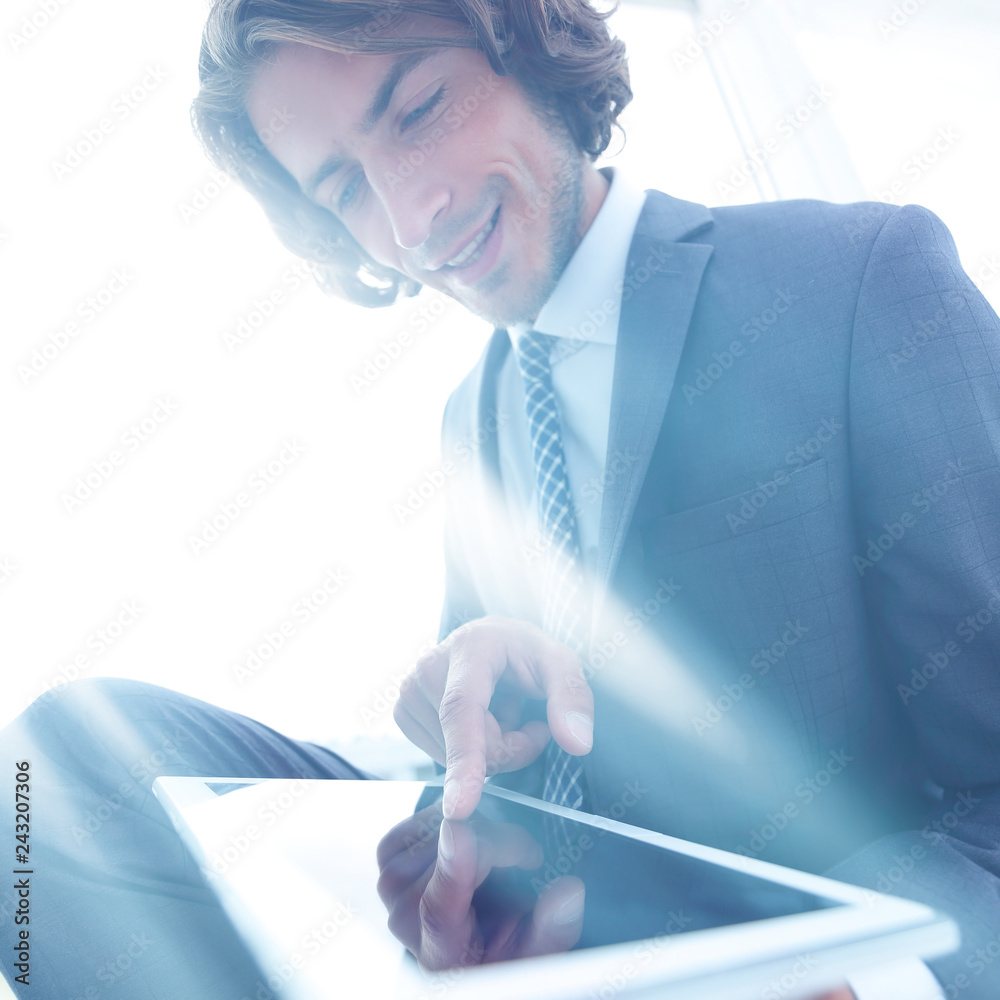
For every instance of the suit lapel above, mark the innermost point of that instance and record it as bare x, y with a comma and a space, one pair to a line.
663, 276
489, 376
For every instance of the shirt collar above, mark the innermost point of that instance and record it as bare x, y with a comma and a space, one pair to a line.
585, 303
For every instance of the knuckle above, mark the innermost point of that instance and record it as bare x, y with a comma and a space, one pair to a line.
473, 764
453, 707
424, 660
409, 688
425, 669
464, 631
469, 760
487, 626
398, 924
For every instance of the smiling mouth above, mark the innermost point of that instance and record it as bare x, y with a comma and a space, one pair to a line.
473, 250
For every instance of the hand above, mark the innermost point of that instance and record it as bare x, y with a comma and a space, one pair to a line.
462, 704
451, 903
841, 993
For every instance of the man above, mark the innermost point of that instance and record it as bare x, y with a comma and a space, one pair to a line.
763, 543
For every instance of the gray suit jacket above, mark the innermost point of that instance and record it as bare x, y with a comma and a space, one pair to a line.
797, 630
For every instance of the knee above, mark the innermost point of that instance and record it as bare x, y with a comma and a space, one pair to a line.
86, 695
105, 733
92, 702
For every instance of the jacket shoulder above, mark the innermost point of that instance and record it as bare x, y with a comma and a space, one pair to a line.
853, 225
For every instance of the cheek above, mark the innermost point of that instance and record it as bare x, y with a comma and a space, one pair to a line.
487, 131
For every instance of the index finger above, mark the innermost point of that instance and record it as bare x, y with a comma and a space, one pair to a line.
541, 667
463, 709
448, 933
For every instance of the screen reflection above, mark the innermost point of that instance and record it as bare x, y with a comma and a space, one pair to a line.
494, 887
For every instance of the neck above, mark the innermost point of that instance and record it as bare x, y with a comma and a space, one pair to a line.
591, 194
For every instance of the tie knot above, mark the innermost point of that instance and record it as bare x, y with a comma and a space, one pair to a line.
534, 350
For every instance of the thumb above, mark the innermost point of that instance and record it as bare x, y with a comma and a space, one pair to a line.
571, 718
569, 701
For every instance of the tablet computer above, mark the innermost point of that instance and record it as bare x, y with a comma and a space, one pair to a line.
294, 864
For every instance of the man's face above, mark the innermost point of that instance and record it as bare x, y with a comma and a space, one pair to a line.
436, 166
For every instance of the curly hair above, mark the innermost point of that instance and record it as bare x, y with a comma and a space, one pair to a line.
559, 49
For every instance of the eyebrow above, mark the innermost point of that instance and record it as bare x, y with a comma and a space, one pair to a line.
403, 65
380, 103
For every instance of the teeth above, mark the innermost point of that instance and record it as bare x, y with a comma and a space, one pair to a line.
463, 256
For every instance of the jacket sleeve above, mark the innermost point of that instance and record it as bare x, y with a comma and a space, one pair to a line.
925, 451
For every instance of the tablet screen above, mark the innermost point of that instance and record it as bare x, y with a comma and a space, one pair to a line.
633, 890
636, 890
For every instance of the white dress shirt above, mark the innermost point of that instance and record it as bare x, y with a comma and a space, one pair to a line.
582, 313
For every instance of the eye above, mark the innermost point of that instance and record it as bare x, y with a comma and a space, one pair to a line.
417, 115
349, 195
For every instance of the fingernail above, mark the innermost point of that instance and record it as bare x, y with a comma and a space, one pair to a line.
446, 842
452, 790
581, 727
571, 911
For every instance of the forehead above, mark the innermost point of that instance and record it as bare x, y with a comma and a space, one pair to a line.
295, 71
307, 99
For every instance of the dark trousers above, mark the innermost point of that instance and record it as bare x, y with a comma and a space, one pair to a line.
118, 908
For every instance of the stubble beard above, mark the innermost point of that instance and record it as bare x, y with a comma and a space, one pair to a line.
560, 200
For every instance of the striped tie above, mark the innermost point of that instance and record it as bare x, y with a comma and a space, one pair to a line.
563, 585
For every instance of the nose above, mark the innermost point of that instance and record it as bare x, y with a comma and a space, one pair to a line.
414, 194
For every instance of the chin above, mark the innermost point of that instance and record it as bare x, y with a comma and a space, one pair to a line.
507, 314
517, 299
